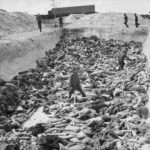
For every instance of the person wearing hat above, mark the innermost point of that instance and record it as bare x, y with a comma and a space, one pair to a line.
61, 22
74, 83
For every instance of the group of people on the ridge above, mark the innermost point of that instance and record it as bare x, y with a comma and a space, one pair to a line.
39, 21
126, 20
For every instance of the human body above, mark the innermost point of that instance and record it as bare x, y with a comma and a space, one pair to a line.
136, 21
39, 21
61, 22
126, 20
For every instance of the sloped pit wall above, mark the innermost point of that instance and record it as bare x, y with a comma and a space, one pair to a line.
20, 55
125, 34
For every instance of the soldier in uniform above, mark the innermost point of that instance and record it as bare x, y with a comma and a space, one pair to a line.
126, 20
61, 22
136, 21
74, 83
39, 21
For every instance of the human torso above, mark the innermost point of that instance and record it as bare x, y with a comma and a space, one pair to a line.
74, 80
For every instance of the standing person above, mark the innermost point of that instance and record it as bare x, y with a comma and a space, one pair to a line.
61, 22
121, 58
39, 21
136, 21
126, 20
74, 83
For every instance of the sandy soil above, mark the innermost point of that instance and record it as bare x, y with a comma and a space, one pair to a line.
20, 51
113, 20
111, 26
16, 22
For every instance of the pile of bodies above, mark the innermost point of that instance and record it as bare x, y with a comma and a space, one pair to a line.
110, 117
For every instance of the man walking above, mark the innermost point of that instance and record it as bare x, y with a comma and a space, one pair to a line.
126, 20
39, 21
61, 22
136, 21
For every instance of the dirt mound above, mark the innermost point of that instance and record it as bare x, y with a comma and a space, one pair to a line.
16, 22
73, 17
109, 20
66, 20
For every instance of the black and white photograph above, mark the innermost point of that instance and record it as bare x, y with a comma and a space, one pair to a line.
74, 75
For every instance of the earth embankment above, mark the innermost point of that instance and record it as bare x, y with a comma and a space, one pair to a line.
20, 52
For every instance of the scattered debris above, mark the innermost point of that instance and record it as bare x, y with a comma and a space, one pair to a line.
36, 111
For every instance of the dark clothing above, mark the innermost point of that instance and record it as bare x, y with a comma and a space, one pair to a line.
126, 20
121, 65
40, 25
61, 22
39, 21
74, 80
136, 21
121, 57
74, 84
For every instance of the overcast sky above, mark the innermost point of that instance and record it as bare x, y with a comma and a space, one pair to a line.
42, 6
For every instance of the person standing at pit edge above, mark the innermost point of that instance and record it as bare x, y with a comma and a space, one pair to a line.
136, 21
39, 21
61, 22
126, 20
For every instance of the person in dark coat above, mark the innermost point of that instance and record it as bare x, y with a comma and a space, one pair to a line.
74, 83
39, 21
136, 21
61, 22
126, 20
